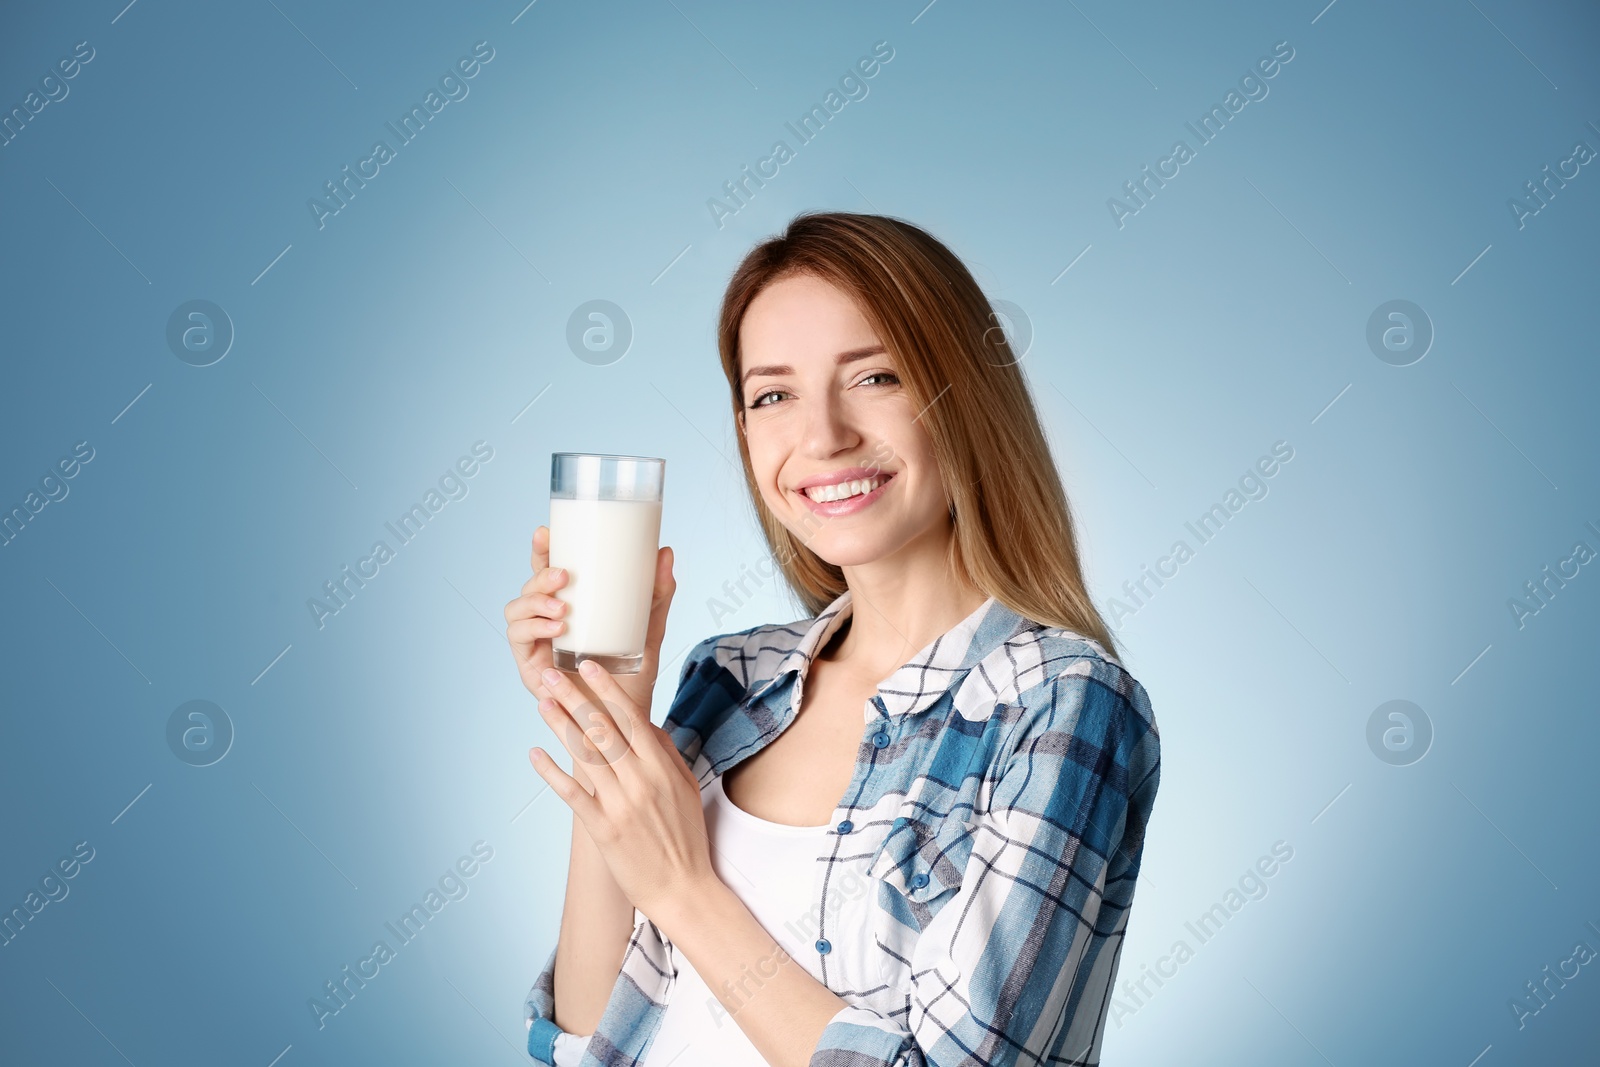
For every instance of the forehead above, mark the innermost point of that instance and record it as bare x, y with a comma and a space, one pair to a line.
801, 318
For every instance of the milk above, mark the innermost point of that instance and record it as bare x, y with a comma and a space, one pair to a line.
608, 548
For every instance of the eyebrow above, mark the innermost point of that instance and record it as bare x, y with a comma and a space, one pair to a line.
849, 356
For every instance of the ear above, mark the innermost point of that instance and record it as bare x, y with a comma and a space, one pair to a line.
741, 420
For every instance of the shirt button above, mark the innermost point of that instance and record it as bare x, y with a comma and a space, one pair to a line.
880, 739
919, 880
846, 826
823, 947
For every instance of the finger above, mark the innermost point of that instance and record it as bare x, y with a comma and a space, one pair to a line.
540, 557
524, 632
535, 665
529, 639
657, 752
583, 745
567, 788
531, 645
528, 605
617, 701
608, 733
660, 602
547, 580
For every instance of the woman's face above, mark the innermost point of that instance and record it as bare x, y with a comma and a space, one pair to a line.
823, 410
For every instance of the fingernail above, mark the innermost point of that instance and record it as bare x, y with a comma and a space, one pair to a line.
552, 676
589, 667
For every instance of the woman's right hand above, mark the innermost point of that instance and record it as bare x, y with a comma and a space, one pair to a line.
536, 617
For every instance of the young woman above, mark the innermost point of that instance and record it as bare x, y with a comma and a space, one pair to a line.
905, 830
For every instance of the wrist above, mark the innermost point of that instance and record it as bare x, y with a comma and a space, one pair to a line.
695, 909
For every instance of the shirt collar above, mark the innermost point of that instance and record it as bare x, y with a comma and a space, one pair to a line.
919, 683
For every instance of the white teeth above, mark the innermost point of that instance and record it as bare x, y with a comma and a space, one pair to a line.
844, 490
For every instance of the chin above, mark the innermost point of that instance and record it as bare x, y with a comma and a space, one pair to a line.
853, 549
848, 557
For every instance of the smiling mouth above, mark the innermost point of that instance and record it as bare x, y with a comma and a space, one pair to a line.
825, 494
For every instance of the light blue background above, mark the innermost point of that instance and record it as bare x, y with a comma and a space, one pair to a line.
1225, 316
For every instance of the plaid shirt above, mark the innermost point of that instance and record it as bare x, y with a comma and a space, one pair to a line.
973, 892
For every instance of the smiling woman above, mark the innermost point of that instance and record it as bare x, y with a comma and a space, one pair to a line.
904, 830
971, 417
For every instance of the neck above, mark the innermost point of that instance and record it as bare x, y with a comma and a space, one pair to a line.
899, 604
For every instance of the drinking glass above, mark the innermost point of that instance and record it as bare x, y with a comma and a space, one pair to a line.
605, 522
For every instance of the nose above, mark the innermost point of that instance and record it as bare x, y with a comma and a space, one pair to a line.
828, 427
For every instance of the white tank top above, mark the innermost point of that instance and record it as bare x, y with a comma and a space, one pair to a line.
771, 867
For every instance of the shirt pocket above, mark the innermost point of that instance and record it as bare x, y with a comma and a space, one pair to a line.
917, 870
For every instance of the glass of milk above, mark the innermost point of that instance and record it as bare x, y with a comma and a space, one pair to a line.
605, 522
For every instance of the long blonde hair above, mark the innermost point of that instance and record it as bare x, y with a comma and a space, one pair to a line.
1014, 537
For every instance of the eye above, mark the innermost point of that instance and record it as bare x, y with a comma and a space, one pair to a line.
880, 374
761, 398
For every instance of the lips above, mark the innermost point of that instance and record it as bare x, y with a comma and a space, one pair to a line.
824, 494
843, 474
843, 492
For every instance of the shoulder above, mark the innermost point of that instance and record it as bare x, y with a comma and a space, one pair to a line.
719, 671
1038, 666
749, 656
1063, 693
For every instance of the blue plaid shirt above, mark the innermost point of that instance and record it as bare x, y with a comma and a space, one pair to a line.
972, 896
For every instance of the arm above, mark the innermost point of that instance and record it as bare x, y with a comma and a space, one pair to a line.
1016, 968
780, 1007
596, 925
783, 1015
596, 922
596, 916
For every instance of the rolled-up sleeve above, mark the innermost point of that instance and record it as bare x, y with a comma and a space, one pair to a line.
547, 1042
1017, 967
538, 1013
568, 1049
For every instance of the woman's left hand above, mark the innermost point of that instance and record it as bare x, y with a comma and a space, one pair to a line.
645, 814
